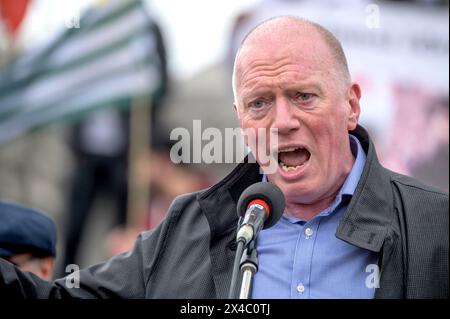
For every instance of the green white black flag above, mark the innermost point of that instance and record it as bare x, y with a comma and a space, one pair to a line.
111, 57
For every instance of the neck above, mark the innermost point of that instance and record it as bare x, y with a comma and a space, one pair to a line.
309, 211
299, 209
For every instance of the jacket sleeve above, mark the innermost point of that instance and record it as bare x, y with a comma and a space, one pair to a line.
424, 220
123, 276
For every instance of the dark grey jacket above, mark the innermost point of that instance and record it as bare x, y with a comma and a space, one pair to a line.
190, 255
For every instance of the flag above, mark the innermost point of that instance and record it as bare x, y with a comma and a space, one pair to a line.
12, 13
109, 57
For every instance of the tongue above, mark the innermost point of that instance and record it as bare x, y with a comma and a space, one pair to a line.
294, 158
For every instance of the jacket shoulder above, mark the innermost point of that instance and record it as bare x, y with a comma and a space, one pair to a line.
181, 202
421, 203
413, 189
424, 218
413, 182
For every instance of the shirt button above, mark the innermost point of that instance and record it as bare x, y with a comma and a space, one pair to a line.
301, 288
308, 232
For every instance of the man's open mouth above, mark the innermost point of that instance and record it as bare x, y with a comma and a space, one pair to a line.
291, 159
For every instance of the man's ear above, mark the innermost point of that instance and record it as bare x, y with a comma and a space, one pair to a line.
240, 125
46, 267
354, 95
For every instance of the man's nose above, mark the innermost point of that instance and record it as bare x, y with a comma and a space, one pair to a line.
284, 118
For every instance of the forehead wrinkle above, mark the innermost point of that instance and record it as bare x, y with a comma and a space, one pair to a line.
293, 35
265, 67
284, 83
299, 72
293, 55
261, 72
264, 63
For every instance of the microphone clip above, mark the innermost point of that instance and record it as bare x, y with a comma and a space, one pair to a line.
250, 225
249, 267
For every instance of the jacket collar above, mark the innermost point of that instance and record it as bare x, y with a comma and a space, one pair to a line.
219, 206
370, 211
219, 201
364, 224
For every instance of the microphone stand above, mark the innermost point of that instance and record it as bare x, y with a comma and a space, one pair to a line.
246, 260
236, 264
254, 211
249, 267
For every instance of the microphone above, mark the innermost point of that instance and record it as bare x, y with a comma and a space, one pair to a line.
260, 206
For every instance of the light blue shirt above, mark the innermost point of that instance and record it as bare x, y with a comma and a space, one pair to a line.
304, 259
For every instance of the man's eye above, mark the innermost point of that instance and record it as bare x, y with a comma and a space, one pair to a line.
304, 96
257, 104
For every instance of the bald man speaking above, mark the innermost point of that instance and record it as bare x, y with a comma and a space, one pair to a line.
350, 228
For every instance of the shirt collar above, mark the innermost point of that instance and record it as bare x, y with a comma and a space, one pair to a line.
351, 182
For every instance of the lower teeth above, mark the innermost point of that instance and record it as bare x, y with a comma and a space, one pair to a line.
290, 168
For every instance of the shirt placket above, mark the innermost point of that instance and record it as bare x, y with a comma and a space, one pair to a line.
301, 274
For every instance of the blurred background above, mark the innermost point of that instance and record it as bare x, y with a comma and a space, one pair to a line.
90, 91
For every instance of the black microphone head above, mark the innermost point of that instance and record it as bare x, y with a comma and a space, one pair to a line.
269, 193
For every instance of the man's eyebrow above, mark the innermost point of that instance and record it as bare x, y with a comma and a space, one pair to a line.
307, 85
256, 90
254, 93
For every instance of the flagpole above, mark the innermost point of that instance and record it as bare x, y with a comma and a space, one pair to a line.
139, 144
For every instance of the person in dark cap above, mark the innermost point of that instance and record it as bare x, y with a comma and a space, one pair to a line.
27, 239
